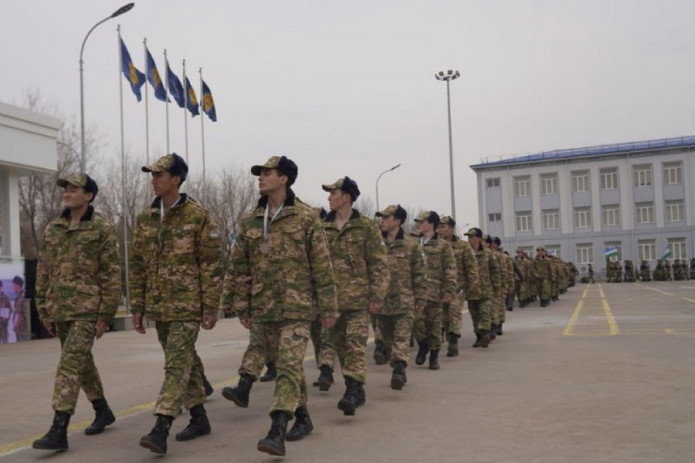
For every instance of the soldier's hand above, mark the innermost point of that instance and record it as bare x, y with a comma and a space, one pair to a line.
138, 323
245, 322
209, 321
374, 307
101, 328
328, 322
49, 327
447, 299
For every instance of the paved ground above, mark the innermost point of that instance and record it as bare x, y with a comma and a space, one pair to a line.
606, 374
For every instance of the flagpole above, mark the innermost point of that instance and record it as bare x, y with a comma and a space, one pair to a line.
185, 108
124, 218
147, 108
166, 61
202, 124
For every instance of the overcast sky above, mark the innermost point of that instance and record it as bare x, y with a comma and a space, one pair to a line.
348, 87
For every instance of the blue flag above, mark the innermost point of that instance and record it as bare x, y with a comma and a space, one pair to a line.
208, 103
132, 75
191, 99
174, 86
153, 78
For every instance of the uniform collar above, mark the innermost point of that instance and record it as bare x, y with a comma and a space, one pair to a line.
85, 218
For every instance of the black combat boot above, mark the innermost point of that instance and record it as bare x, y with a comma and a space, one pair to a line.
398, 378
453, 349
484, 339
57, 436
423, 349
491, 334
499, 329
270, 374
325, 378
156, 440
208, 387
351, 399
478, 336
240, 394
103, 417
434, 359
380, 354
274, 442
302, 424
198, 426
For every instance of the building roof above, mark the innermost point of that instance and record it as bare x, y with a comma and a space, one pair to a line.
590, 151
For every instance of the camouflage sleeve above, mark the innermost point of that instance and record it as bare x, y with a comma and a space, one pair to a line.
471, 277
511, 282
322, 276
495, 273
109, 275
450, 271
237, 280
42, 279
377, 266
417, 263
137, 271
210, 265
227, 297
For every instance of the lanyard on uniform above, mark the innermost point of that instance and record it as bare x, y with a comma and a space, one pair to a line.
265, 220
161, 218
424, 241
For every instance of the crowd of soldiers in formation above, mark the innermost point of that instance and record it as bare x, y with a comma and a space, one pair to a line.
664, 271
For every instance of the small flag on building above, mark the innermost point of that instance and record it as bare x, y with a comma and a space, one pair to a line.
611, 251
667, 253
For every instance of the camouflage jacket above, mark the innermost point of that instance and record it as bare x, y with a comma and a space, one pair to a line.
175, 265
488, 271
507, 272
292, 278
441, 274
406, 275
360, 261
78, 276
542, 269
467, 266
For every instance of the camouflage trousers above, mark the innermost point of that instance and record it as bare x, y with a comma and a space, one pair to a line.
348, 340
315, 332
262, 348
395, 331
480, 314
183, 370
543, 289
497, 307
76, 368
428, 325
452, 318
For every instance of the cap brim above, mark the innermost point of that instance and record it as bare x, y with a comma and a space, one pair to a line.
329, 187
382, 214
256, 170
152, 168
62, 183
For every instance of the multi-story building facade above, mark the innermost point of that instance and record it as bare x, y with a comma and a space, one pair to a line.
637, 197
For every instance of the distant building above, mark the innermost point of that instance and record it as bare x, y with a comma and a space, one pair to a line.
637, 197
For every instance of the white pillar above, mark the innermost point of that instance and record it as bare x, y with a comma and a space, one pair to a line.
9, 216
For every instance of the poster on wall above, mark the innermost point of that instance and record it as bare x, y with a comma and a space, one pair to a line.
14, 308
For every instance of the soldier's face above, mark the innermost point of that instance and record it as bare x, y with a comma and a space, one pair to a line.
338, 199
16, 288
75, 197
445, 231
163, 183
425, 227
270, 181
388, 224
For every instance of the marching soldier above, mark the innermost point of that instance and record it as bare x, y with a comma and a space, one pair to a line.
175, 281
479, 304
441, 283
542, 274
507, 273
360, 262
406, 266
78, 287
497, 299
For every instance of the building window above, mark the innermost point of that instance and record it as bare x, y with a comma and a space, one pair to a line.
494, 217
528, 250
609, 179
523, 222
642, 175
522, 186
678, 250
674, 211
617, 245
553, 250
580, 181
673, 173
585, 253
551, 219
646, 249
610, 215
582, 217
549, 184
493, 182
644, 213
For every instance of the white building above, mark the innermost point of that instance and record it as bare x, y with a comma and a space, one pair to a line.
27, 146
637, 197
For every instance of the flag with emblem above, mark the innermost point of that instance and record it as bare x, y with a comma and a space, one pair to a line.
667, 253
191, 99
208, 103
174, 86
130, 72
153, 77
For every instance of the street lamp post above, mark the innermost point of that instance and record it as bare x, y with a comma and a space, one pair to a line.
377, 183
446, 77
118, 12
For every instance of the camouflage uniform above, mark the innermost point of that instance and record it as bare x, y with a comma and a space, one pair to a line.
441, 280
175, 279
468, 283
360, 262
479, 304
404, 294
78, 282
280, 287
498, 288
542, 272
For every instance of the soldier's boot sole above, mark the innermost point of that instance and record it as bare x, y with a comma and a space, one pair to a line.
325, 383
98, 426
397, 382
452, 350
271, 447
484, 341
348, 407
153, 444
230, 394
